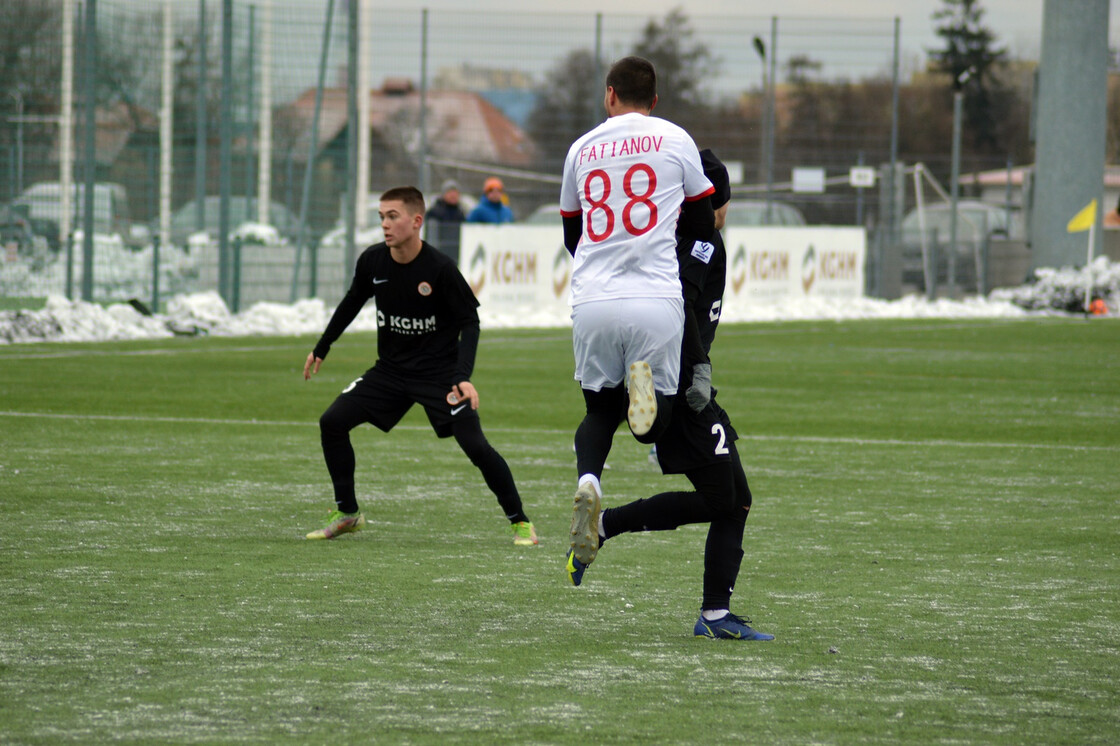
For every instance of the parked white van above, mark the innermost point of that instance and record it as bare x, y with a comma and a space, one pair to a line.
42, 204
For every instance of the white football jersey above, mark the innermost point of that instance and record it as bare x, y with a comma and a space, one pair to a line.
628, 178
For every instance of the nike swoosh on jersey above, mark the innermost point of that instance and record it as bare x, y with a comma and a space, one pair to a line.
378, 281
458, 409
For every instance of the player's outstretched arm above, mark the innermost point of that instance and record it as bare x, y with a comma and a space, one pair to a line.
311, 367
465, 390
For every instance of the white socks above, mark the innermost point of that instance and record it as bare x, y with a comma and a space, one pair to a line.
713, 614
594, 482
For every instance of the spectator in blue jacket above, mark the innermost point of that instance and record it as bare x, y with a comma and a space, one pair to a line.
492, 208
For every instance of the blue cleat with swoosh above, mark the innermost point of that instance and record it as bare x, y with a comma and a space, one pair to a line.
730, 627
574, 568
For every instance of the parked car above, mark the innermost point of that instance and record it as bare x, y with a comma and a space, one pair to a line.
977, 223
18, 238
753, 212
974, 219
241, 210
42, 203
336, 237
544, 215
739, 212
371, 234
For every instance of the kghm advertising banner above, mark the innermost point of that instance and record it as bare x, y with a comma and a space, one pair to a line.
520, 273
770, 266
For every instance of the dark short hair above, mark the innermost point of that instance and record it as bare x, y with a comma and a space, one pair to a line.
409, 195
634, 81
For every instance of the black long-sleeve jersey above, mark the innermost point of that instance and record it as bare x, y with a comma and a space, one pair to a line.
703, 269
427, 317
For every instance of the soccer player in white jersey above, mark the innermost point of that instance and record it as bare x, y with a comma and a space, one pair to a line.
624, 185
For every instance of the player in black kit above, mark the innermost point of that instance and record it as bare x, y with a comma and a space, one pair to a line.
699, 441
427, 337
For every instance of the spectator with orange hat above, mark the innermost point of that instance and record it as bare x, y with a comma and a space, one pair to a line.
492, 208
1112, 218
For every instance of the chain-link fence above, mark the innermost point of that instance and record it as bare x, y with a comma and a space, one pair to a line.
452, 95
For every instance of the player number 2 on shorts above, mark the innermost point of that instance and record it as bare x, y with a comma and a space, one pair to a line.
721, 444
602, 176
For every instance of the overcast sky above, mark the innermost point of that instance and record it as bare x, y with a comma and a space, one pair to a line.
1017, 23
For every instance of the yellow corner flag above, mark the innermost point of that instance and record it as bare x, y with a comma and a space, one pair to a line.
1083, 220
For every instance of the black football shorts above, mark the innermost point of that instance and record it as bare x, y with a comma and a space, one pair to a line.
385, 398
695, 439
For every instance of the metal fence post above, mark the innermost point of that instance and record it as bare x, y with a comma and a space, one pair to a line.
599, 74
312, 147
250, 102
352, 133
235, 301
954, 192
90, 156
200, 125
225, 145
313, 271
70, 266
155, 274
859, 195
422, 177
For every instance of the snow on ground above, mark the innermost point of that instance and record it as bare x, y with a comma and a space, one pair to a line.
1054, 292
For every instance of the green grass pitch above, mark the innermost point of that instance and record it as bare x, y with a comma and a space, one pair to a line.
935, 543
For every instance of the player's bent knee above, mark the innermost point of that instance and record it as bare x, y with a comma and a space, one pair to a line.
715, 485
720, 502
332, 422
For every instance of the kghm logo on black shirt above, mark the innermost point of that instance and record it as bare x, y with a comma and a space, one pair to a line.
404, 325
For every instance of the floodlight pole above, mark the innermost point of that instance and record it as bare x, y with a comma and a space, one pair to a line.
760, 48
770, 116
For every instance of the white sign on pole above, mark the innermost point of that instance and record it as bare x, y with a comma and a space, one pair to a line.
808, 180
861, 176
734, 171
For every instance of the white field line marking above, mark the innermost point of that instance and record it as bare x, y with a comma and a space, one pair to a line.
204, 349
495, 336
824, 440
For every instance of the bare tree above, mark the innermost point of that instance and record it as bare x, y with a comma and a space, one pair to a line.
684, 66
30, 54
569, 102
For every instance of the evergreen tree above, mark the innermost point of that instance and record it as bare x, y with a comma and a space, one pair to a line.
970, 57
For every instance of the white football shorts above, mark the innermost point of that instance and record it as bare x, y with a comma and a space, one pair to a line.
609, 335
